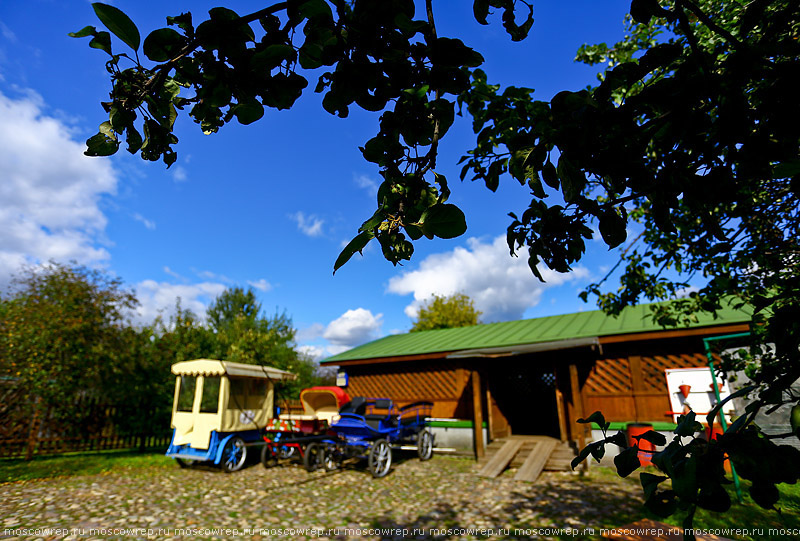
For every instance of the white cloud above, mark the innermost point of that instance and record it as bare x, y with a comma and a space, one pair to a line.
312, 332
366, 183
313, 352
158, 298
179, 174
502, 287
261, 285
213, 276
50, 192
309, 225
172, 273
149, 224
352, 328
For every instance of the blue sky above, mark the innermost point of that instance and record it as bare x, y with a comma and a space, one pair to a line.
268, 205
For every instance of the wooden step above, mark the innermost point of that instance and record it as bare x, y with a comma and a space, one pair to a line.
559, 460
501, 459
535, 462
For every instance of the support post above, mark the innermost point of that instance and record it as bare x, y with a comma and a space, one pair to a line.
477, 414
577, 408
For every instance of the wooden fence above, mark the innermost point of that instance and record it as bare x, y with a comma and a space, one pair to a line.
28, 429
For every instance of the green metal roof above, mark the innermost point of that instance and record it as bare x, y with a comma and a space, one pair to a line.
595, 323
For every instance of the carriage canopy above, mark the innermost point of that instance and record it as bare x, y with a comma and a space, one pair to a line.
222, 396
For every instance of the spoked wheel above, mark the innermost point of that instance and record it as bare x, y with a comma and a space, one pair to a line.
314, 457
269, 456
380, 458
233, 455
286, 451
425, 444
329, 460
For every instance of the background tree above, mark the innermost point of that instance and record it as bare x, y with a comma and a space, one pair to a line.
242, 334
232, 304
64, 334
442, 312
694, 133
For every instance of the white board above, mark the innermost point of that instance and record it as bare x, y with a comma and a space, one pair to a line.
701, 394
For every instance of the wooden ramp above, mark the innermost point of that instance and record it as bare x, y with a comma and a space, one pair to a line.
501, 459
529, 454
536, 460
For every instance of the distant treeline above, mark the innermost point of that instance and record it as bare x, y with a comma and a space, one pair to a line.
67, 335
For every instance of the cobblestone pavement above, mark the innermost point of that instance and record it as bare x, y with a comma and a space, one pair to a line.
439, 499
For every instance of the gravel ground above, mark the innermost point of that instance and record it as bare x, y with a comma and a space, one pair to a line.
439, 499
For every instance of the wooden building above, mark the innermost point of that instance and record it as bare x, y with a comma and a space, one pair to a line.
537, 376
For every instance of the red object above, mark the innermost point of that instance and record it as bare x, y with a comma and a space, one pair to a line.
719, 387
646, 449
685, 390
341, 395
712, 433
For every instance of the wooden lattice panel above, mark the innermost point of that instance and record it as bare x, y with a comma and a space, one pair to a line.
405, 384
653, 368
610, 376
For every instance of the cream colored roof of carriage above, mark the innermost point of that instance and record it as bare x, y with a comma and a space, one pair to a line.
213, 367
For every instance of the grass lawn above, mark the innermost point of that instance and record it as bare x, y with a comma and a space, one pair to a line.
47, 467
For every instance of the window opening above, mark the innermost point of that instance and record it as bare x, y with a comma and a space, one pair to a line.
210, 400
186, 393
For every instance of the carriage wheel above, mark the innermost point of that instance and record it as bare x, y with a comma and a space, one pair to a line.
425, 444
329, 458
269, 457
314, 456
286, 451
380, 458
233, 455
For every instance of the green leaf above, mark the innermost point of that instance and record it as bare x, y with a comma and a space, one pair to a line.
613, 228
444, 220
102, 41
598, 418
643, 10
585, 452
134, 140
550, 175
248, 111
162, 44
711, 417
764, 493
687, 425
355, 245
480, 8
627, 461
650, 483
656, 438
619, 439
101, 145
271, 57
84, 32
599, 452
119, 24
662, 504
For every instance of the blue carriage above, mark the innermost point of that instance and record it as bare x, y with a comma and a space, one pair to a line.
370, 428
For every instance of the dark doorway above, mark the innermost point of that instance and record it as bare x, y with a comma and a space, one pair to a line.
525, 396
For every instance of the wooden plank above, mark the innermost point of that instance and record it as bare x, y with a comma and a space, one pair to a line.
477, 414
501, 459
536, 460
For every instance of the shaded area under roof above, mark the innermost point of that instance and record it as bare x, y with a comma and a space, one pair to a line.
635, 319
